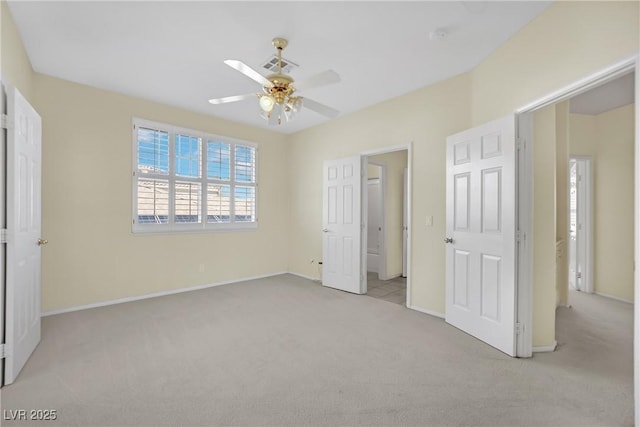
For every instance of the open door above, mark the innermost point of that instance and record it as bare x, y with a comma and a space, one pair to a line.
23, 239
375, 221
341, 225
480, 224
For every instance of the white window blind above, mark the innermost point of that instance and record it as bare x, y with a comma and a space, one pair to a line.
186, 180
153, 201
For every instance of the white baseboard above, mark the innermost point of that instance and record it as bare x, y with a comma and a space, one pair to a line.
546, 348
156, 294
425, 311
313, 279
393, 276
615, 298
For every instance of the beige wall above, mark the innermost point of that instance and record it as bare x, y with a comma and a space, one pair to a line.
92, 255
583, 140
608, 138
562, 202
614, 203
425, 118
565, 43
544, 226
395, 164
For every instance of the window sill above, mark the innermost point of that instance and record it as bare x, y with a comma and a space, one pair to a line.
142, 230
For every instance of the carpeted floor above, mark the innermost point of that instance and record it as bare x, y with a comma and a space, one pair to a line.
286, 351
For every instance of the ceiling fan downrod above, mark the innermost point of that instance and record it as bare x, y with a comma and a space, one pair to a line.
282, 87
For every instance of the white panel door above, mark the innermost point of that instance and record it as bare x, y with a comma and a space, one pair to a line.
341, 225
480, 224
23, 233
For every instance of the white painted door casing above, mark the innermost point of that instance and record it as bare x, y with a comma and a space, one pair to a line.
405, 221
23, 252
480, 220
342, 225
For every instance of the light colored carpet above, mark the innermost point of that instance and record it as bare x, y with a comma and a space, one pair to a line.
286, 351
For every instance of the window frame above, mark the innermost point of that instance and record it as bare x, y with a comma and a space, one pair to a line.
171, 227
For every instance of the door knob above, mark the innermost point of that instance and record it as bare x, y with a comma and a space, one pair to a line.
42, 242
325, 230
448, 239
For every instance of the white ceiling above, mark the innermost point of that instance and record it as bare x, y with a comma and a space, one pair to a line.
614, 94
172, 52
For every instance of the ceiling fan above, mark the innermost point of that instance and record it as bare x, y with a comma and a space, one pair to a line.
278, 103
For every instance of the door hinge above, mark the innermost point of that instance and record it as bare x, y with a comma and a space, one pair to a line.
519, 328
7, 122
521, 144
3, 235
520, 236
2, 351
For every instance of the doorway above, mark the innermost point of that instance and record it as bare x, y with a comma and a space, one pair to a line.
526, 286
376, 251
580, 230
345, 217
529, 219
385, 212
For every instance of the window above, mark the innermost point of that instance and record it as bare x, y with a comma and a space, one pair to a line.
185, 180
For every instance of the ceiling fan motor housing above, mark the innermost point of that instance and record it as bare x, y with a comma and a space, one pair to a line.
282, 87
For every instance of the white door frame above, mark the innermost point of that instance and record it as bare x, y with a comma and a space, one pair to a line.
525, 203
405, 216
382, 238
587, 274
3, 221
364, 156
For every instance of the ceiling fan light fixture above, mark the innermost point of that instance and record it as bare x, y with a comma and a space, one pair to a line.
276, 116
292, 107
267, 102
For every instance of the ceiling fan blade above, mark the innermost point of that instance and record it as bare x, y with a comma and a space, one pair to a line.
248, 71
321, 79
320, 108
234, 98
